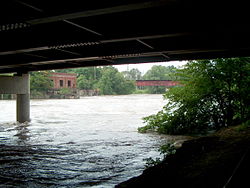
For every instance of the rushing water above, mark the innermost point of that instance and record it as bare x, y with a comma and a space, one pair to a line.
87, 142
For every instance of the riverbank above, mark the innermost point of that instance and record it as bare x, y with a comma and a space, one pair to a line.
221, 159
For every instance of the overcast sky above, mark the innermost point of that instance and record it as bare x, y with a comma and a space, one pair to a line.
144, 67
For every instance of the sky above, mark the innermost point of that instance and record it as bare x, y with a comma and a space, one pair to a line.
144, 67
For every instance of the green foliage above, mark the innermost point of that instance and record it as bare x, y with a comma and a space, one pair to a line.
165, 150
243, 126
159, 72
5, 96
140, 91
133, 74
84, 83
37, 94
6, 74
150, 162
90, 73
215, 94
108, 80
65, 91
87, 77
40, 81
156, 89
112, 82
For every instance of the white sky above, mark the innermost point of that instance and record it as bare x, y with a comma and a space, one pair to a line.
144, 67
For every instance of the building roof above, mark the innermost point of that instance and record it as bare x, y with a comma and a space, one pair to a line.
45, 34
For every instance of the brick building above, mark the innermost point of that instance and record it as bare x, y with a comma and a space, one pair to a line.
63, 80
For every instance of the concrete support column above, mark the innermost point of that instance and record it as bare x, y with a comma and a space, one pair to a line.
23, 101
19, 85
23, 108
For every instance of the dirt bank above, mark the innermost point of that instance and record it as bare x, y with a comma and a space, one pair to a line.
218, 160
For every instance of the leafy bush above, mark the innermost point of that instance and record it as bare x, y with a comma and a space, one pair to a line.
243, 126
165, 150
140, 91
65, 91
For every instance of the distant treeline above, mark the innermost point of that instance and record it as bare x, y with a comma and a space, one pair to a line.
107, 80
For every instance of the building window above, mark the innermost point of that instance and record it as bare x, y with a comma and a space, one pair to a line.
69, 83
61, 83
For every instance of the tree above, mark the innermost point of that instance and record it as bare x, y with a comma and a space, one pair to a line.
107, 79
112, 82
133, 74
215, 94
83, 83
65, 70
90, 73
159, 72
40, 81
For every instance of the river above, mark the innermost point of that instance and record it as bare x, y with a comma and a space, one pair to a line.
87, 142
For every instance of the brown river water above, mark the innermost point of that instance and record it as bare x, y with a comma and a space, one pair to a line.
87, 142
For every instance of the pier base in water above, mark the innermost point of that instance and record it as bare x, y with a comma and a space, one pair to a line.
23, 108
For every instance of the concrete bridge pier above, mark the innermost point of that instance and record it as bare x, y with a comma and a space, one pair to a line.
19, 85
23, 107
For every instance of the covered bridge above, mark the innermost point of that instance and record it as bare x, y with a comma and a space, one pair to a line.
166, 83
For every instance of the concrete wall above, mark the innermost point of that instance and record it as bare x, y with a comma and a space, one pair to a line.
19, 85
14, 84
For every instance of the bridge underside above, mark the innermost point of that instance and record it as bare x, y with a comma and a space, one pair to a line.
43, 34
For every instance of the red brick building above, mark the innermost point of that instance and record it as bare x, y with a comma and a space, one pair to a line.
63, 80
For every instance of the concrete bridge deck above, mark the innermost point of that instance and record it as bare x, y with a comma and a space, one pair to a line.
45, 34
